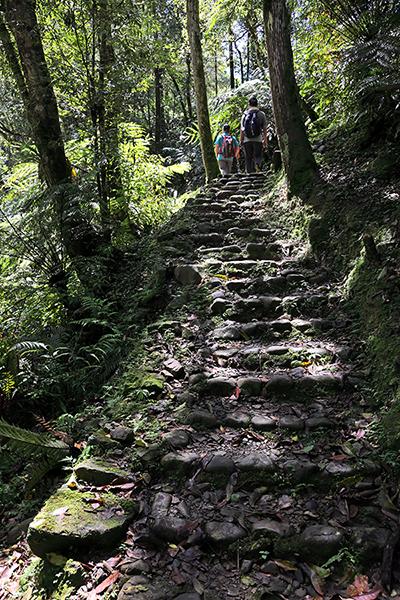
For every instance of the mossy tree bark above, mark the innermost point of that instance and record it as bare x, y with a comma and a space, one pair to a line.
30, 70
40, 100
297, 156
199, 80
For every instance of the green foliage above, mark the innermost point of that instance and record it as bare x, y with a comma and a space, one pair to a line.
145, 178
40, 452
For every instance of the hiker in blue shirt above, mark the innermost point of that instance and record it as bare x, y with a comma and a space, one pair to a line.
226, 148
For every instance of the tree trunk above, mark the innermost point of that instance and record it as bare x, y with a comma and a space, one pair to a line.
42, 105
107, 106
297, 156
231, 63
189, 87
203, 117
216, 73
180, 98
240, 63
159, 113
33, 79
13, 62
248, 58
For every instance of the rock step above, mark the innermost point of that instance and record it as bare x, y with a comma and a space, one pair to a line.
259, 307
254, 469
259, 357
251, 532
247, 417
271, 329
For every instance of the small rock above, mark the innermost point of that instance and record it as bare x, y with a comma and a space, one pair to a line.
175, 368
187, 275
316, 422
279, 384
263, 423
219, 306
250, 386
135, 568
220, 463
320, 542
178, 438
202, 419
96, 471
237, 420
255, 462
219, 386
223, 533
292, 423
270, 527
188, 596
246, 567
179, 463
122, 434
300, 471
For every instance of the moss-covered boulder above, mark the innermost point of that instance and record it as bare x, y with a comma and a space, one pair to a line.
72, 522
96, 471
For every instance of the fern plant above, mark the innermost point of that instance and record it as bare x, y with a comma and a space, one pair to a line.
41, 451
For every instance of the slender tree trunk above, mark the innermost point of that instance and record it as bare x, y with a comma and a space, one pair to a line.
248, 58
216, 73
42, 104
159, 124
203, 117
180, 98
231, 63
297, 156
189, 87
240, 63
14, 64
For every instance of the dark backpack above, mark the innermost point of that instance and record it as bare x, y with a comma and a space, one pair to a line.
251, 125
228, 149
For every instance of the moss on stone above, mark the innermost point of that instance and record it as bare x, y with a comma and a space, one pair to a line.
70, 521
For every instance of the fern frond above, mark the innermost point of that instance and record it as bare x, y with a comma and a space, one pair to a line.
30, 438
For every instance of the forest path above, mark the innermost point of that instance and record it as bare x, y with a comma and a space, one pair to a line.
266, 470
262, 467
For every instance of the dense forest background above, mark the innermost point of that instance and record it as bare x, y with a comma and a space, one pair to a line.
100, 144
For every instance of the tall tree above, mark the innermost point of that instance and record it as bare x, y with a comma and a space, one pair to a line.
38, 93
199, 80
297, 156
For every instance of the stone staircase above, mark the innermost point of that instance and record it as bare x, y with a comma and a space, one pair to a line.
262, 471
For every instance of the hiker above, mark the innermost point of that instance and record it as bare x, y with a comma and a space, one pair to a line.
226, 148
253, 136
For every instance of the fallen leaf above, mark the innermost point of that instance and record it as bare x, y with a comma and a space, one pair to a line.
104, 585
60, 512
359, 586
199, 588
286, 565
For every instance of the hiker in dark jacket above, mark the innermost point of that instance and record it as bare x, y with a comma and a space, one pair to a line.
253, 135
226, 148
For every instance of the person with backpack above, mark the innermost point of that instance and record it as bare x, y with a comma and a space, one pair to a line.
226, 149
253, 136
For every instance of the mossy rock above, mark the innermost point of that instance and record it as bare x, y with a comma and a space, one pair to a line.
58, 579
96, 471
72, 522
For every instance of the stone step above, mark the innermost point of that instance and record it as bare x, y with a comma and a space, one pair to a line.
261, 356
297, 384
261, 468
270, 330
260, 307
